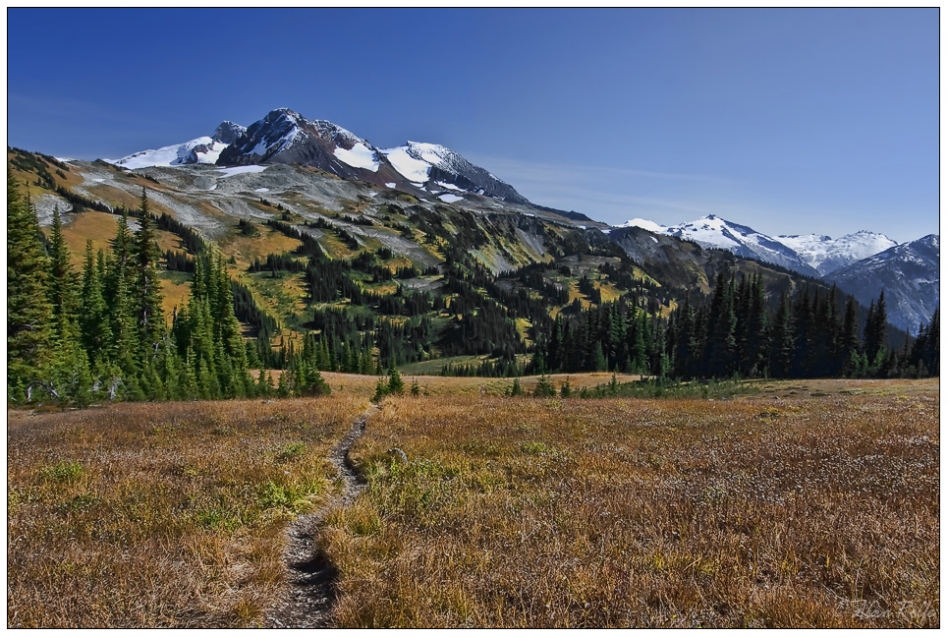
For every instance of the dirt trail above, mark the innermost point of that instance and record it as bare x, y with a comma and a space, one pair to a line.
311, 593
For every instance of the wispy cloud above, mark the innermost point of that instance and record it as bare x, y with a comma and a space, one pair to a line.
611, 194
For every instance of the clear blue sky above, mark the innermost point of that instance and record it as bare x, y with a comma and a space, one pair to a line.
789, 121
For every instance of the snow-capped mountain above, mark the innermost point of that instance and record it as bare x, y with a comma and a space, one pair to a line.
714, 232
909, 275
286, 137
203, 150
826, 254
434, 167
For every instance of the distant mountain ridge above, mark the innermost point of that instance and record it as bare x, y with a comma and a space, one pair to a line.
862, 263
713, 231
826, 254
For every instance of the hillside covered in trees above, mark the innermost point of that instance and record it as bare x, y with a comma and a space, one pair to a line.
166, 305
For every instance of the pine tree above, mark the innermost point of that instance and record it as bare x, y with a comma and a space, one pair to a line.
29, 312
147, 286
722, 344
848, 349
395, 383
94, 313
71, 374
781, 339
874, 334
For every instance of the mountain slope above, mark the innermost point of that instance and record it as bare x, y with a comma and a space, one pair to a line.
909, 274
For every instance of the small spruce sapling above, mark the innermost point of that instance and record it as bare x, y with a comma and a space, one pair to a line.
395, 384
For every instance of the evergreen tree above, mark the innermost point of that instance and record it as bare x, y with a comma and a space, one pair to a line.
94, 313
544, 388
721, 350
395, 383
147, 286
71, 374
29, 312
781, 339
848, 349
874, 334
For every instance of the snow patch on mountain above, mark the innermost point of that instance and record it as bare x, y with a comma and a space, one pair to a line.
359, 156
436, 167
238, 170
651, 226
203, 150
410, 167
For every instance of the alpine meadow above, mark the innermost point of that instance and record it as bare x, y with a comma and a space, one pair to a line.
279, 376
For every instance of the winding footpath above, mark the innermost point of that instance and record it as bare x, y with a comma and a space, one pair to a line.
310, 595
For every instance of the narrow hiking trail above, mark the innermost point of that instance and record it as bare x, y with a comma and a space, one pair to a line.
308, 599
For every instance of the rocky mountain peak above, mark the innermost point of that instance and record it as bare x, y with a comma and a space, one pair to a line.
228, 132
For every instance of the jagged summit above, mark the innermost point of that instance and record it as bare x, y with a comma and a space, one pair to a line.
228, 132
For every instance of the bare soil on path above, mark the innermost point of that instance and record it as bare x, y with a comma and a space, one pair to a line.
310, 594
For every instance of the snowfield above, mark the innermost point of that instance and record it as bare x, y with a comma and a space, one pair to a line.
172, 155
359, 156
651, 226
409, 167
239, 170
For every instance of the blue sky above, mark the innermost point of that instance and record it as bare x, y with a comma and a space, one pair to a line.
790, 121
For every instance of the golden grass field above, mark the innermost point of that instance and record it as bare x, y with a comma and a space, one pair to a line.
145, 515
802, 503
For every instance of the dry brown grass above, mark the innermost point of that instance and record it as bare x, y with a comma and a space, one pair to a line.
360, 385
171, 514
802, 511
266, 241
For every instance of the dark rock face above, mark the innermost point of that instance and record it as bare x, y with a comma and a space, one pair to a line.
286, 137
